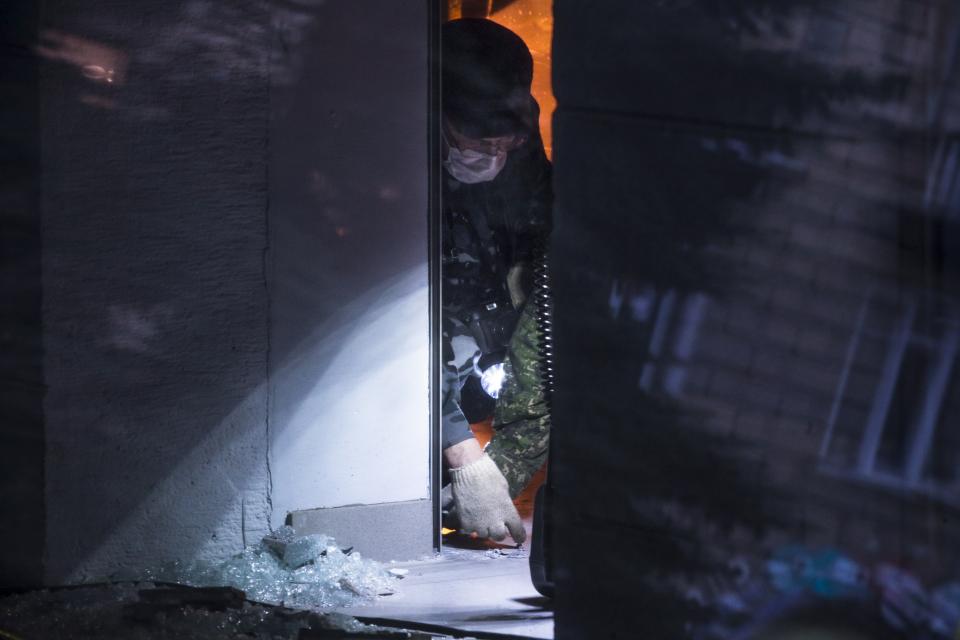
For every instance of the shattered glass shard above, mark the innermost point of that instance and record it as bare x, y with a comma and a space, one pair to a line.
279, 539
301, 571
307, 549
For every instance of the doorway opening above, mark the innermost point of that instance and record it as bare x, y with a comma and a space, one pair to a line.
493, 189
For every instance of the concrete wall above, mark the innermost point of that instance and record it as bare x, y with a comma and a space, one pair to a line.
155, 308
234, 313
348, 207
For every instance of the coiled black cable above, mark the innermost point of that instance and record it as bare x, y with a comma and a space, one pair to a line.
541, 554
543, 299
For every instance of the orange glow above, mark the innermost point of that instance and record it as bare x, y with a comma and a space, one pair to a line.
483, 431
532, 20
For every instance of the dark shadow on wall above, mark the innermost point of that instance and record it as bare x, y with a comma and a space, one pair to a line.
681, 131
21, 364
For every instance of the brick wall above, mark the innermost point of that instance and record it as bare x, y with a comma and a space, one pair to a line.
813, 143
771, 356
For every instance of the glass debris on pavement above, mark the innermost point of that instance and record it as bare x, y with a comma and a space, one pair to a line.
308, 571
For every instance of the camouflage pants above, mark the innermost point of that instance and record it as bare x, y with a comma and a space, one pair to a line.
521, 421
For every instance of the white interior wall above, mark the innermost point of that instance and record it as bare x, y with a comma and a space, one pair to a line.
349, 323
352, 409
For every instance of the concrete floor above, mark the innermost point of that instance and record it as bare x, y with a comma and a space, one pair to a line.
476, 590
477, 586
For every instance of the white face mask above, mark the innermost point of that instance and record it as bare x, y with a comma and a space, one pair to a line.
471, 167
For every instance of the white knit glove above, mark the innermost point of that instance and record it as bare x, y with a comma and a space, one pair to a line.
483, 501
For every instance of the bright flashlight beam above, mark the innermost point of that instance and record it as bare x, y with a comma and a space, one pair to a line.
492, 379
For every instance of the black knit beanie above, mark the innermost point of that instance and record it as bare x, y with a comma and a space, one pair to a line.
487, 70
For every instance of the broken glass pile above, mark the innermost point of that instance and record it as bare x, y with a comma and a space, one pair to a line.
308, 571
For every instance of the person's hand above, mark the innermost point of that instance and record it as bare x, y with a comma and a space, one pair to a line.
515, 278
483, 502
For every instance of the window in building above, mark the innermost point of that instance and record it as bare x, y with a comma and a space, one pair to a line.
894, 418
670, 324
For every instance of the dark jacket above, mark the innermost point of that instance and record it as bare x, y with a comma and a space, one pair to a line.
491, 226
